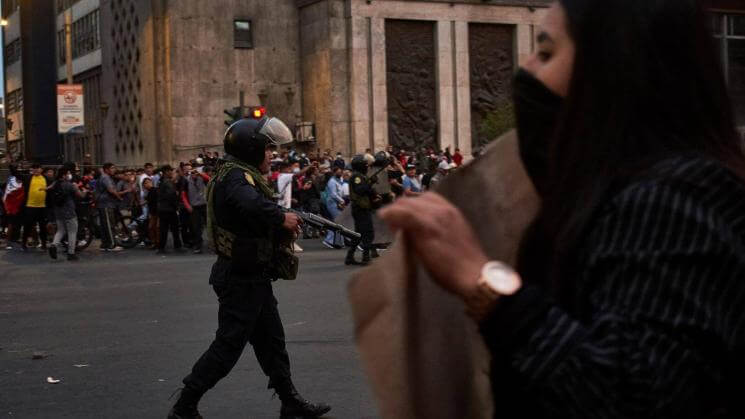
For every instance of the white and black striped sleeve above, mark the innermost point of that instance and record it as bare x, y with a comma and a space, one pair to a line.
661, 286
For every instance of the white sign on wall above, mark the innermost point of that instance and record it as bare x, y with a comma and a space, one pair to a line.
70, 108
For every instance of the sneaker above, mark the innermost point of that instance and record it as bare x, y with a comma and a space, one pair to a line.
197, 251
115, 249
72, 258
296, 248
327, 244
53, 252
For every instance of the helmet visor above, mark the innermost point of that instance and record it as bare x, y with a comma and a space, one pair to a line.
277, 132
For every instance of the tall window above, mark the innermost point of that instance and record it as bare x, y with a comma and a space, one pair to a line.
242, 34
85, 35
729, 29
13, 52
14, 101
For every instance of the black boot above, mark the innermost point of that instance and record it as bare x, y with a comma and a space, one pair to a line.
294, 406
350, 258
186, 406
374, 252
366, 256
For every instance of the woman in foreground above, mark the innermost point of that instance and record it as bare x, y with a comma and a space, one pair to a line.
629, 296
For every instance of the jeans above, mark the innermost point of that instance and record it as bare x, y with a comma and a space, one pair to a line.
168, 221
107, 219
184, 222
334, 211
198, 220
70, 228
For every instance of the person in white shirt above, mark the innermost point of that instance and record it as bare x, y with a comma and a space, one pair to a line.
289, 172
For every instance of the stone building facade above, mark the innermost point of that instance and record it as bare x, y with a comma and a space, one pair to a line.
173, 66
409, 73
367, 73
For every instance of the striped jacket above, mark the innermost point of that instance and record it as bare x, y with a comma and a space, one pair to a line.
660, 329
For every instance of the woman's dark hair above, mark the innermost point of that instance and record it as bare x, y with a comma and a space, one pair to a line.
647, 85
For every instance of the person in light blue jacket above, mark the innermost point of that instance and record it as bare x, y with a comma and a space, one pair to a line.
334, 204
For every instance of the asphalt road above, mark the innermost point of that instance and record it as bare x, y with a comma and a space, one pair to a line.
121, 330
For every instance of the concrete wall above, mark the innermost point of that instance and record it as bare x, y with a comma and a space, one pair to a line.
189, 72
325, 73
207, 72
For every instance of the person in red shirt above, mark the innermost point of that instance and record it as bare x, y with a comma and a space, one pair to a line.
457, 157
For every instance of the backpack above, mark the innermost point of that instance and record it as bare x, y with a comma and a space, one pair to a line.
59, 197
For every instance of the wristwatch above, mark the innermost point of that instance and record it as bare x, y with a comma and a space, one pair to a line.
497, 280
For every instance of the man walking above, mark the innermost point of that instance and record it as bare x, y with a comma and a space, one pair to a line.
246, 225
168, 202
195, 204
334, 205
64, 193
107, 201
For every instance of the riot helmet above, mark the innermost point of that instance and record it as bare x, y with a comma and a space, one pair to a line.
382, 159
359, 163
247, 139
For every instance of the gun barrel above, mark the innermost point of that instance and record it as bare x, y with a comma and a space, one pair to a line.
320, 222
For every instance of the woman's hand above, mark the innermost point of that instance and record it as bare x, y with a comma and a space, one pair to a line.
442, 239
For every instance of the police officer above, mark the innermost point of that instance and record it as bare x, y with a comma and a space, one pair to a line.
363, 198
246, 225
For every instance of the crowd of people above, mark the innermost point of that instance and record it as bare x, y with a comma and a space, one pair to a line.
149, 202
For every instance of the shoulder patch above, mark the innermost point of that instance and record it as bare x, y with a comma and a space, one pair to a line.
250, 179
357, 180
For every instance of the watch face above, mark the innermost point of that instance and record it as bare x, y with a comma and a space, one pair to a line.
501, 278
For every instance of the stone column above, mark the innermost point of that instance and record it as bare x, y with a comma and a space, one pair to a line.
524, 42
463, 89
446, 86
359, 84
379, 88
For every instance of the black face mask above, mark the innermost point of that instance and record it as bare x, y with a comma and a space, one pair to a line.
536, 109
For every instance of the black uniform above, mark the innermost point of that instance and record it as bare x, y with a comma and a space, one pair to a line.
248, 234
248, 310
362, 195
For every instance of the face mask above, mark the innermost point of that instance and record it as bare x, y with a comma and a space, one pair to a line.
536, 109
296, 170
68, 177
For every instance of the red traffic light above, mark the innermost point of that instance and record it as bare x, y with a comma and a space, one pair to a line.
258, 112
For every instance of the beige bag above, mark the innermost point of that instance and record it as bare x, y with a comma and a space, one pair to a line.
423, 355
